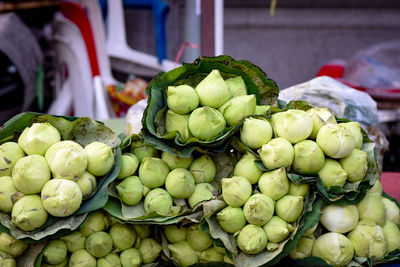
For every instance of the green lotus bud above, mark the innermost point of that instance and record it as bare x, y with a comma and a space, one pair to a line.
55, 252
182, 99
11, 245
356, 165
130, 190
158, 200
238, 108
123, 236
392, 211
30, 174
332, 173
335, 140
100, 158
74, 241
255, 132
202, 192
303, 248
271, 246
150, 250
28, 213
174, 233
277, 229
236, 190
173, 161
248, 169
294, 125
197, 239
67, 160
179, 123
321, 117
99, 244
262, 110
10, 153
203, 169
62, 264
236, 86
129, 164
88, 184
153, 172
110, 260
8, 194
213, 90
206, 123
231, 219
274, 184
298, 190
183, 253
141, 150
211, 255
38, 138
334, 248
131, 258
61, 197
258, 209
392, 235
6, 260
289, 207
146, 190
277, 153
219, 249
368, 239
308, 157
252, 239
180, 183
372, 207
311, 231
95, 223
339, 218
82, 258
355, 130
142, 230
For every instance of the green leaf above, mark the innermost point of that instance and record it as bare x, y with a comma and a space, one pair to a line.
296, 104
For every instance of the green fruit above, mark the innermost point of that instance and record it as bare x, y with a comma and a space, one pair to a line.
55, 252
180, 183
197, 239
82, 258
150, 250
99, 244
11, 245
38, 138
100, 158
74, 241
130, 190
131, 258
10, 153
231, 219
203, 169
129, 164
153, 172
123, 236
252, 239
28, 213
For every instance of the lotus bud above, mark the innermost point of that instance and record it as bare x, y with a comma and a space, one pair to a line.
355, 130
7, 260
238, 108
298, 190
289, 207
372, 207
219, 249
175, 233
203, 169
153, 172
82, 258
252, 239
179, 123
236, 86
321, 117
55, 252
142, 230
74, 241
100, 158
311, 231
392, 236
236, 190
99, 244
11, 245
206, 123
174, 161
28, 213
8, 194
392, 211
335, 140
356, 165
294, 125
180, 183
141, 150
277, 229
150, 250
231, 219
197, 239
258, 209
277, 153
10, 153
274, 184
95, 223
213, 90
123, 236
110, 260
130, 190
377, 188
131, 258
261, 110
30, 174
255, 132
332, 173
202, 192
271, 246
303, 248
38, 138
182, 99
158, 200
368, 239
129, 164
183, 253
146, 190
248, 169
334, 248
339, 218
88, 184
211, 255
308, 157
